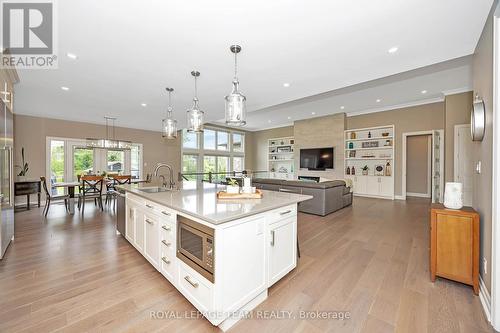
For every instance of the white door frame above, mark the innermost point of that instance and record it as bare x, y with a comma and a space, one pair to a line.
495, 232
404, 147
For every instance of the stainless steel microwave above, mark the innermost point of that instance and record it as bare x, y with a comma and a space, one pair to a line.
195, 246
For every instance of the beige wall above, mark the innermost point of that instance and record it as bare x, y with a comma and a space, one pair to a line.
31, 132
483, 151
417, 118
318, 133
457, 112
257, 144
417, 165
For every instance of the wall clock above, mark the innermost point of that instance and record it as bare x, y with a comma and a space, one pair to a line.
477, 120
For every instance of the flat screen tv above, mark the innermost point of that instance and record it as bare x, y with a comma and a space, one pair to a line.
316, 158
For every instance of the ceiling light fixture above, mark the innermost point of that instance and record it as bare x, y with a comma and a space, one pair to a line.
195, 115
269, 121
286, 85
289, 118
109, 142
424, 91
236, 109
65, 88
144, 105
313, 113
378, 100
169, 125
393, 49
342, 107
71, 56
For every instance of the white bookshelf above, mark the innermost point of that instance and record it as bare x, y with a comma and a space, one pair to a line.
281, 157
372, 147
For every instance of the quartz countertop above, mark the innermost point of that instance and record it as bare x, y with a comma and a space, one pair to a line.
199, 200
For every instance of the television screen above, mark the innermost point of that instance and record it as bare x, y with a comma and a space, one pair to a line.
316, 158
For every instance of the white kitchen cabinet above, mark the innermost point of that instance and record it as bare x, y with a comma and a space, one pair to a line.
151, 239
139, 230
282, 248
386, 185
372, 186
131, 208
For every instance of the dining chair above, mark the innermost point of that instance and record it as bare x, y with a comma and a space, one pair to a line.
91, 189
49, 198
111, 192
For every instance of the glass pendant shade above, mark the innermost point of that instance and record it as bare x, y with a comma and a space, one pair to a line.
195, 118
109, 142
169, 125
236, 109
195, 115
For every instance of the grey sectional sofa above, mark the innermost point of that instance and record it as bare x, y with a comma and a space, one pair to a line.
328, 196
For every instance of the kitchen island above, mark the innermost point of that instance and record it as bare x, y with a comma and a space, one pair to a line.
222, 255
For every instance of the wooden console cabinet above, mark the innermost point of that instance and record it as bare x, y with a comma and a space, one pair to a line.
454, 236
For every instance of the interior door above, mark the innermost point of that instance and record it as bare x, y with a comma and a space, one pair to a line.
464, 165
437, 165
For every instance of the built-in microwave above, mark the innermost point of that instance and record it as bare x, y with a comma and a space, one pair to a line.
195, 246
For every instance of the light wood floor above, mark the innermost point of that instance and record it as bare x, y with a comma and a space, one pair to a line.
69, 274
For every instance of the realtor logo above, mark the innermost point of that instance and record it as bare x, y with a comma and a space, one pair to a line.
28, 34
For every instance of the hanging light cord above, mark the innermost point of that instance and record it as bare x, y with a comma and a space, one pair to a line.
235, 64
196, 87
169, 109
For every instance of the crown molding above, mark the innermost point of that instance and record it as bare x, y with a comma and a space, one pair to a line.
396, 106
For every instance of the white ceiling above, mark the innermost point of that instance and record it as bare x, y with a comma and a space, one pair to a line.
129, 51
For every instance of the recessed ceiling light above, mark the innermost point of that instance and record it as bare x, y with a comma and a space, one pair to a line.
71, 56
424, 91
144, 105
286, 84
269, 121
378, 100
393, 49
65, 88
313, 113
342, 107
289, 118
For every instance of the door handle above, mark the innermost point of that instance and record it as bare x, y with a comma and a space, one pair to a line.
194, 284
272, 237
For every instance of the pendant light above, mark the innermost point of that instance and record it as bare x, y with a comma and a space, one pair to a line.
169, 125
195, 115
109, 141
236, 110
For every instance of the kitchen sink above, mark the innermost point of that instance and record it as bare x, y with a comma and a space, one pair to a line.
154, 189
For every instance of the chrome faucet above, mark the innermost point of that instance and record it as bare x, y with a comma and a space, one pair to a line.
171, 171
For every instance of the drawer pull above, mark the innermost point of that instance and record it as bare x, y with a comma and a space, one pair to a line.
166, 243
286, 212
165, 228
165, 260
194, 284
165, 213
150, 206
272, 237
149, 221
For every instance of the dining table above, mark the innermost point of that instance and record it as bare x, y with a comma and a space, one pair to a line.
70, 186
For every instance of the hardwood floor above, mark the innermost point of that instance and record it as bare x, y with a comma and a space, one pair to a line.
69, 274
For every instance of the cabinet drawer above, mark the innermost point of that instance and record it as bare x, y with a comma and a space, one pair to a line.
195, 288
168, 263
282, 213
167, 231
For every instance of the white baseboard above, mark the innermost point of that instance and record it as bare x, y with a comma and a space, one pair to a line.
418, 195
399, 197
484, 297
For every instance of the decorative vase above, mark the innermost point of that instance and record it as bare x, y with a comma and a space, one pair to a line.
453, 195
232, 189
364, 172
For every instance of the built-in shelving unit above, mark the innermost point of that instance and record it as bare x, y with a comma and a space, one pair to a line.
281, 157
371, 147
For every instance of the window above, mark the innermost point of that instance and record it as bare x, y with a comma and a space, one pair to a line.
209, 139
222, 140
216, 151
237, 142
83, 161
190, 165
237, 163
115, 161
189, 140
135, 161
56, 165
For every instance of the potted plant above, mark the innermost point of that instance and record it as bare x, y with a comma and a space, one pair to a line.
364, 170
233, 186
24, 167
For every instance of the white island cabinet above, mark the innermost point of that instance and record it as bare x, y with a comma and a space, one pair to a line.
251, 253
